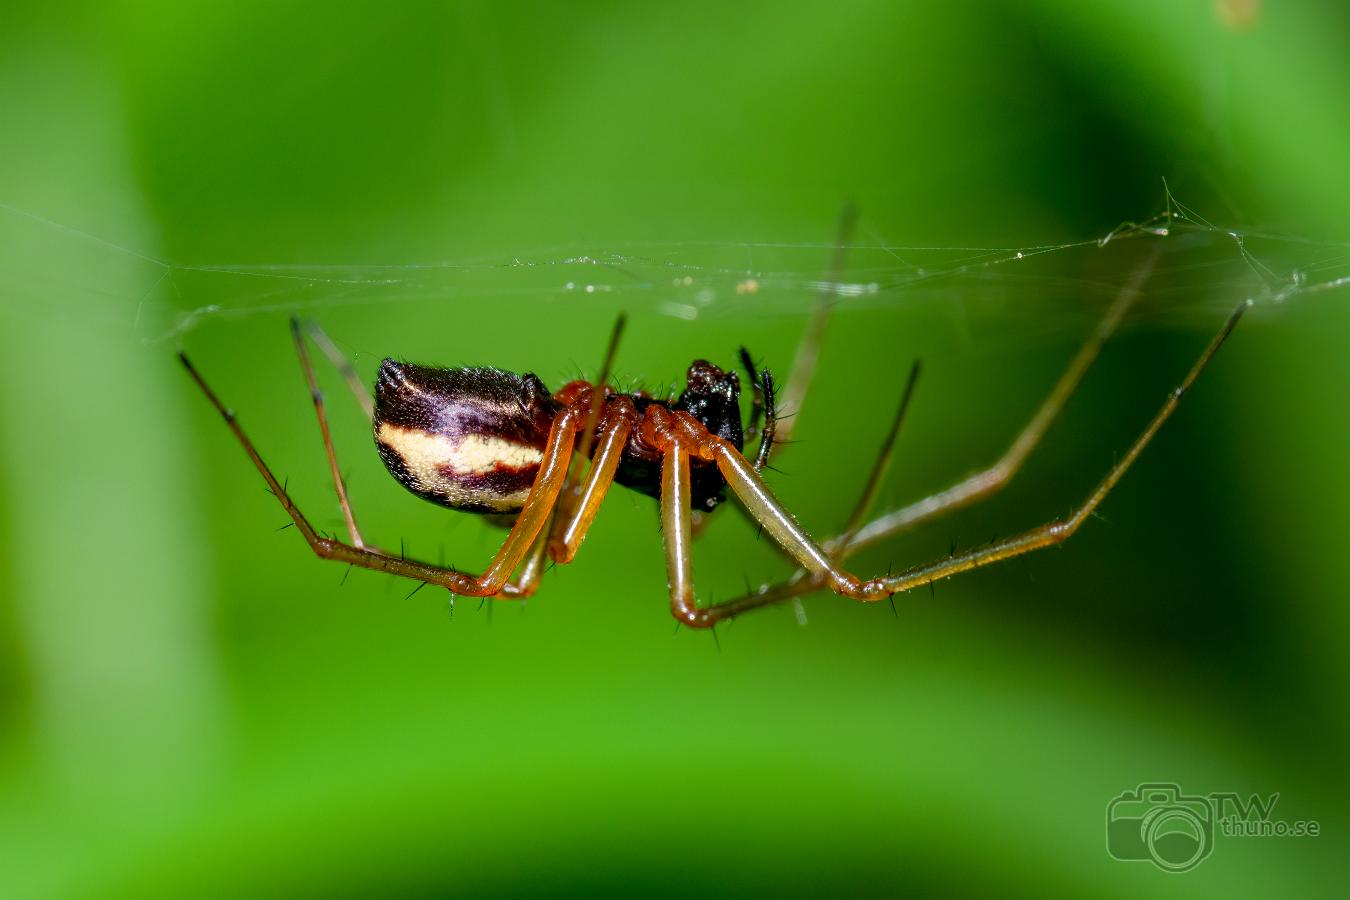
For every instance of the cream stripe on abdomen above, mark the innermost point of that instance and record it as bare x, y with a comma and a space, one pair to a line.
433, 461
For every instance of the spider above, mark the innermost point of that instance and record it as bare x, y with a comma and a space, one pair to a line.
497, 443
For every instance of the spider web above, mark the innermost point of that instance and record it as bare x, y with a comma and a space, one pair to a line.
1212, 266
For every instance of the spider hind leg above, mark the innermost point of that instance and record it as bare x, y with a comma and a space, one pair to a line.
538, 507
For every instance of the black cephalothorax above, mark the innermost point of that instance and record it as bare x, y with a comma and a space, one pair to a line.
712, 396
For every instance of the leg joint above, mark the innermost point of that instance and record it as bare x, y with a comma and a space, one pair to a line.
694, 617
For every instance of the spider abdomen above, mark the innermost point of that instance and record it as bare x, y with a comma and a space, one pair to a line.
470, 438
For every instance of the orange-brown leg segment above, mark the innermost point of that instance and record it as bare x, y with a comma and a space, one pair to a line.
769, 512
675, 527
571, 528
564, 536
576, 506
538, 505
532, 570
766, 509
675, 434
571, 498
801, 582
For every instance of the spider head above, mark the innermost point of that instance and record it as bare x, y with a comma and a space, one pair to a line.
468, 438
712, 395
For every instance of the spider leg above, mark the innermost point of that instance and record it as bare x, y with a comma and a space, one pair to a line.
571, 490
532, 570
675, 528
316, 395
763, 402
570, 529
344, 366
577, 504
778, 430
883, 462
764, 393
598, 395
563, 537
678, 436
538, 505
980, 485
798, 583
756, 396
780, 524
989, 481
808, 350
768, 438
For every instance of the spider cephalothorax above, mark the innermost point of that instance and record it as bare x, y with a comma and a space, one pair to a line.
712, 396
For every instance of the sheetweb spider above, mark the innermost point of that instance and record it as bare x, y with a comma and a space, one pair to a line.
493, 442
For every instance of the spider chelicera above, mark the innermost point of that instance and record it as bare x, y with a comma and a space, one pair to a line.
493, 442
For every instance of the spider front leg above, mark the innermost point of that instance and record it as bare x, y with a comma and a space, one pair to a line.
779, 523
989, 481
980, 485
777, 430
535, 513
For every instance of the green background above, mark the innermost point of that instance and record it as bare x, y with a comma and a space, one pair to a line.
191, 706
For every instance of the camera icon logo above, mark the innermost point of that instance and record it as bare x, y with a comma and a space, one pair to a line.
1157, 822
